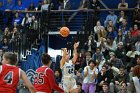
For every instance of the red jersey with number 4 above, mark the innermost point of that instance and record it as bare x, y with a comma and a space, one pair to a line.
9, 78
45, 81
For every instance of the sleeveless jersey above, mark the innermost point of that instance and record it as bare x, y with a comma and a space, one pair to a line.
68, 69
9, 78
41, 80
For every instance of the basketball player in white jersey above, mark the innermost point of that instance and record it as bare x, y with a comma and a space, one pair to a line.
67, 66
136, 79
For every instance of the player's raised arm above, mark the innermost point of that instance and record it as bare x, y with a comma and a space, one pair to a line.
27, 82
63, 59
75, 53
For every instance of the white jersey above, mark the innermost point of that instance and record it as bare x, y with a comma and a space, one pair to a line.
89, 78
68, 69
136, 84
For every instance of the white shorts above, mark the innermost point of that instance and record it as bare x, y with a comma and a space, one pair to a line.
68, 84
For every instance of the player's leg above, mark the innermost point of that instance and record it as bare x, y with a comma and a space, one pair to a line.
73, 85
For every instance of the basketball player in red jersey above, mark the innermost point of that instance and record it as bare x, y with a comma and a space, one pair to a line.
44, 78
10, 75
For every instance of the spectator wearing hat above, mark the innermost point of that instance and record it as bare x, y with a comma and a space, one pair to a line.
121, 52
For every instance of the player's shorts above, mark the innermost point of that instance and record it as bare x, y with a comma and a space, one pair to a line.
41, 92
68, 84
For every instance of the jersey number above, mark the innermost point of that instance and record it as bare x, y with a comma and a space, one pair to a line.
9, 77
70, 71
39, 78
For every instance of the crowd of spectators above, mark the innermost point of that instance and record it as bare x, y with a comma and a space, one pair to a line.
110, 52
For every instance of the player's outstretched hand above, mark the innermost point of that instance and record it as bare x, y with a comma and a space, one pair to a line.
76, 45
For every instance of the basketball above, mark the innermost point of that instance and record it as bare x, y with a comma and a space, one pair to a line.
64, 31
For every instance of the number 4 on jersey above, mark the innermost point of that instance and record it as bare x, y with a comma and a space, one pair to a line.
9, 77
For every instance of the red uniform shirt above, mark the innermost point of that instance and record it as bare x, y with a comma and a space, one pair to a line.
45, 81
9, 78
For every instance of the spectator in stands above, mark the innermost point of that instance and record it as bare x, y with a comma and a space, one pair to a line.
137, 45
97, 27
124, 27
102, 77
17, 19
79, 87
45, 5
90, 74
90, 45
6, 32
14, 35
98, 57
137, 38
102, 33
88, 57
9, 5
138, 60
94, 4
135, 31
19, 6
2, 8
57, 76
121, 17
123, 88
128, 41
105, 88
118, 80
111, 32
79, 77
120, 37
39, 5
26, 20
5, 45
121, 52
123, 5
131, 56
110, 44
111, 17
110, 24
136, 17
31, 7
116, 62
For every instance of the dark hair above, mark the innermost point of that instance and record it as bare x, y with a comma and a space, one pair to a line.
45, 58
105, 83
122, 67
92, 61
78, 83
12, 57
